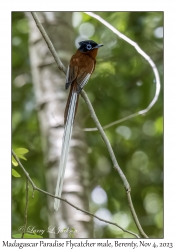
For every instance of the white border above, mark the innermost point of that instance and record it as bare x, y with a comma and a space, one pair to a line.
5, 94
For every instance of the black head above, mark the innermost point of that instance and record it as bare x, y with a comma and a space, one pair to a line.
88, 45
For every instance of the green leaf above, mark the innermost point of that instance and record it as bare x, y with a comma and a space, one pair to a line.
15, 173
14, 162
27, 236
22, 157
21, 151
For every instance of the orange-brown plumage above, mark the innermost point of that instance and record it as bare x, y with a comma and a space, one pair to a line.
81, 64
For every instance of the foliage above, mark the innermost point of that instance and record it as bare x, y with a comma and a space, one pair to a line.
122, 84
20, 154
25, 130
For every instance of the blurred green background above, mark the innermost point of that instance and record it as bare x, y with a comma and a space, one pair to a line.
123, 83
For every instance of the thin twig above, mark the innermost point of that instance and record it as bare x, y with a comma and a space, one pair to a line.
145, 56
82, 210
26, 207
25, 172
112, 123
140, 51
121, 174
115, 163
135, 215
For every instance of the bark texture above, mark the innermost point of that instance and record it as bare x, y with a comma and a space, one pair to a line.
49, 88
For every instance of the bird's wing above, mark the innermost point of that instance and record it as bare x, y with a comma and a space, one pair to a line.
82, 79
79, 73
71, 75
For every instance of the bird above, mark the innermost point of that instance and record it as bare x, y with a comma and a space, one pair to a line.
81, 66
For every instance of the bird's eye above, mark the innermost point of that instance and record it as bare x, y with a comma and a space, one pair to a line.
88, 47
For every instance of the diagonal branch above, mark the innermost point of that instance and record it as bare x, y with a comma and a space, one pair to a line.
82, 210
112, 155
104, 137
115, 163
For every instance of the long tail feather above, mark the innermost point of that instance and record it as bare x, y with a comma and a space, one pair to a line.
65, 146
68, 103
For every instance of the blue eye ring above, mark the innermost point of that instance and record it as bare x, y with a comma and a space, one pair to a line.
89, 47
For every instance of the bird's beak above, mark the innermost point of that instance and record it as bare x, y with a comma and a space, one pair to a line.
98, 46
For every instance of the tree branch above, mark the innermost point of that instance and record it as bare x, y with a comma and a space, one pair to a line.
141, 52
145, 56
112, 123
112, 155
44, 192
104, 137
115, 163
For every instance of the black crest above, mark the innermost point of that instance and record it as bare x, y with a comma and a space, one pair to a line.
88, 45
